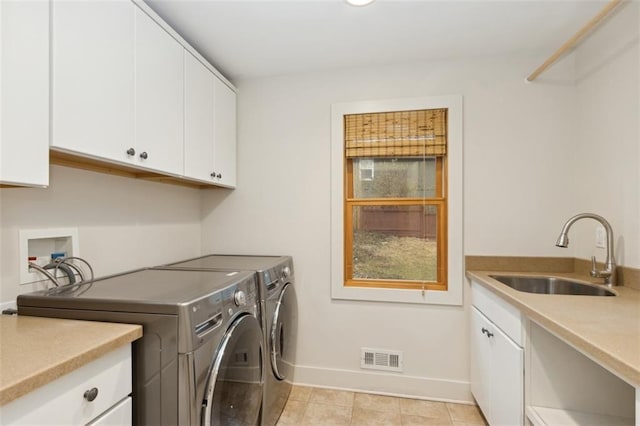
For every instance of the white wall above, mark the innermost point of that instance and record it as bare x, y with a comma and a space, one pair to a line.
517, 138
122, 223
608, 143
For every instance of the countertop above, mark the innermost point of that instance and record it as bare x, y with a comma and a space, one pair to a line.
35, 351
606, 329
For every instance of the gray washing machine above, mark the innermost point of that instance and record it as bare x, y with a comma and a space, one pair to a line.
279, 319
200, 359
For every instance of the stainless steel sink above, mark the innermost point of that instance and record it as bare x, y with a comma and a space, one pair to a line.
552, 285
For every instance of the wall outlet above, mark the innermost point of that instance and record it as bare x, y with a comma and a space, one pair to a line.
601, 237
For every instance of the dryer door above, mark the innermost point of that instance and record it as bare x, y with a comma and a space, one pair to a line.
282, 336
233, 394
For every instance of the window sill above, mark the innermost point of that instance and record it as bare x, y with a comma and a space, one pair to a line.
453, 296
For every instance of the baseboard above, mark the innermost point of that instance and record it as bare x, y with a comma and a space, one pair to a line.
385, 384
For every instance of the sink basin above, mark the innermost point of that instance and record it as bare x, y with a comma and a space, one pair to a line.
552, 285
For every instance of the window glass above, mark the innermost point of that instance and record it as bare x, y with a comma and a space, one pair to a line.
394, 177
395, 242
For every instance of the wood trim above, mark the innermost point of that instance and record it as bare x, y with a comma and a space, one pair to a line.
64, 159
569, 44
395, 201
393, 284
442, 231
439, 177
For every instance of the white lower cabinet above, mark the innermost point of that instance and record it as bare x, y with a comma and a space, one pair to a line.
96, 393
497, 360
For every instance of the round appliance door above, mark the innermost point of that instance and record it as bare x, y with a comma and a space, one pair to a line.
282, 336
233, 394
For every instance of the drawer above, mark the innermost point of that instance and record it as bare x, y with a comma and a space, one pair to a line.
119, 415
62, 401
501, 313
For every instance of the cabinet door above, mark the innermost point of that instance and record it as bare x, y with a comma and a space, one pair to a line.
159, 93
93, 78
198, 115
507, 381
481, 361
224, 121
24, 68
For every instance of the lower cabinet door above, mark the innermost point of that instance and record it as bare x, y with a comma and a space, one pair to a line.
507, 381
118, 415
481, 362
497, 372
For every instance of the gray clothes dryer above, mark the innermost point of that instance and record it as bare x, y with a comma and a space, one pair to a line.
279, 319
199, 361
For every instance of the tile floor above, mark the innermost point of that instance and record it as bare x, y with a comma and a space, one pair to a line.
326, 407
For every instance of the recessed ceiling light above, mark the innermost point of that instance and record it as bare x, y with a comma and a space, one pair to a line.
359, 2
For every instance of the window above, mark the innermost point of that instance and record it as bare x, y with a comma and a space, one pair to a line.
395, 233
391, 225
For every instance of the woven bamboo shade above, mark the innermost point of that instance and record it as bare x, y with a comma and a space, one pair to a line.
396, 134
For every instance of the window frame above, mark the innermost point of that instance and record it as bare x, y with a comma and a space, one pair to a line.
439, 201
452, 214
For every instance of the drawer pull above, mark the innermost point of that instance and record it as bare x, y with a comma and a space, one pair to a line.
91, 394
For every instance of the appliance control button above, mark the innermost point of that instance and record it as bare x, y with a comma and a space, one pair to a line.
286, 271
240, 298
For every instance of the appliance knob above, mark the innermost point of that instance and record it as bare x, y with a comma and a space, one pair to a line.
286, 271
239, 298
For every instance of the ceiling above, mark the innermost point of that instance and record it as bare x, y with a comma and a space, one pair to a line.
249, 39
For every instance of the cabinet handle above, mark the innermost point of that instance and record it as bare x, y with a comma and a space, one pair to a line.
487, 332
144, 155
91, 394
219, 176
213, 175
131, 151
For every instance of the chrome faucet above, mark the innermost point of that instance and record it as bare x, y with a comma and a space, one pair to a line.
609, 271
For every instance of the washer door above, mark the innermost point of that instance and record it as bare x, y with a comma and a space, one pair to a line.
233, 394
282, 338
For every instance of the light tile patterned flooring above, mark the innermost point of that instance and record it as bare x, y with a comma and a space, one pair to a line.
326, 407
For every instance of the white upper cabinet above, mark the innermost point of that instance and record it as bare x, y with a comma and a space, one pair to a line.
199, 125
126, 92
159, 108
93, 78
24, 101
224, 118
